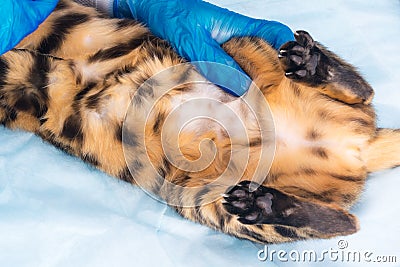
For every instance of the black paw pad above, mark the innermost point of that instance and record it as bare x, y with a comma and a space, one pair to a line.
251, 202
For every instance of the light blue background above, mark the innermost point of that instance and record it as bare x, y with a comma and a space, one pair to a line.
57, 211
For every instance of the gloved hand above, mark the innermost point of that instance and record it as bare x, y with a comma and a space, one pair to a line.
21, 17
196, 29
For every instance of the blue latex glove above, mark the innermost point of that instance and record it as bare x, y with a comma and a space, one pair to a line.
196, 29
21, 17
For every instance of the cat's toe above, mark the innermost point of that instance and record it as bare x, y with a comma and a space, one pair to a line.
238, 199
304, 39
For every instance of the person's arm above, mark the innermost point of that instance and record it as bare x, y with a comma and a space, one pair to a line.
21, 17
196, 29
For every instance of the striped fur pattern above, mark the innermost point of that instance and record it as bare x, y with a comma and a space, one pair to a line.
74, 80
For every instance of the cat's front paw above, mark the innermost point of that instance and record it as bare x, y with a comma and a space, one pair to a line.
301, 59
308, 62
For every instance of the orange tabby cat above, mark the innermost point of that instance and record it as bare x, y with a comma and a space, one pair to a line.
96, 88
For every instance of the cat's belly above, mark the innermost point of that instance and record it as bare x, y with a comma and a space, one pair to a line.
303, 141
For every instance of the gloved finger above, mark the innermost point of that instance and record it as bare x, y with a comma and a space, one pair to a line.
220, 69
275, 33
225, 24
20, 18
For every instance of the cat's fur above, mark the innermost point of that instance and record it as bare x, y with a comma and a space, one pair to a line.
72, 81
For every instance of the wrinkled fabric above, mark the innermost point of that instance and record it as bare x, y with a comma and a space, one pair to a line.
196, 29
21, 17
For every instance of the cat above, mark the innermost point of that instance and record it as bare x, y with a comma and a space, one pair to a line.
108, 91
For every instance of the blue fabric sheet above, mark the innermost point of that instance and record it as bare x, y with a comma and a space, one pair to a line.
57, 211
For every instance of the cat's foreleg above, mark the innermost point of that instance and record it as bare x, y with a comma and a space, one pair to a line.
308, 62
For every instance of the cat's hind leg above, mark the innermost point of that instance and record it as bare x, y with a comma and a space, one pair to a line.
259, 205
383, 151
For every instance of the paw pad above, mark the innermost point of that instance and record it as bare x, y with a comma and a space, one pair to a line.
252, 206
